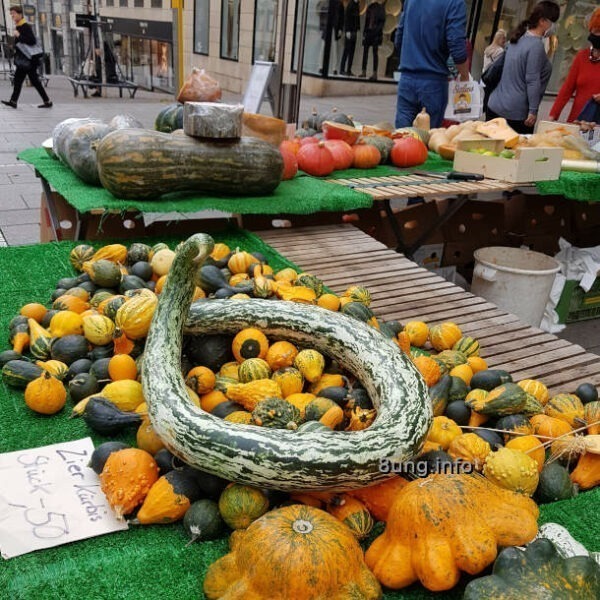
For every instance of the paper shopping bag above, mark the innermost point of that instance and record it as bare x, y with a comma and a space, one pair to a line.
464, 101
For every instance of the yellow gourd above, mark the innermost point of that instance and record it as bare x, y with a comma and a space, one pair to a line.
251, 393
310, 363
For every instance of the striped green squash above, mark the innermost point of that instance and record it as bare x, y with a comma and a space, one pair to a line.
254, 368
468, 346
277, 458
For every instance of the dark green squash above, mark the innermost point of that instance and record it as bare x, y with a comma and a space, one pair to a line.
554, 484
141, 269
358, 311
9, 355
226, 408
276, 413
538, 572
211, 485
167, 461
105, 418
99, 369
211, 351
79, 366
488, 379
518, 423
458, 389
203, 521
98, 352
102, 452
131, 282
18, 373
138, 252
169, 118
587, 392
459, 412
83, 385
438, 395
69, 348
179, 163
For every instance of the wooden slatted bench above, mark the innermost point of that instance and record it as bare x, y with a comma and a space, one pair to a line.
342, 255
86, 84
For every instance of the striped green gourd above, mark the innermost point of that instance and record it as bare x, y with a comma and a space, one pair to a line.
254, 368
274, 458
468, 346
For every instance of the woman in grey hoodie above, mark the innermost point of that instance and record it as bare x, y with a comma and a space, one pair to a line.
526, 70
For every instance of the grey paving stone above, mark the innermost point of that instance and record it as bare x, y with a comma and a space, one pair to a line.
17, 235
29, 216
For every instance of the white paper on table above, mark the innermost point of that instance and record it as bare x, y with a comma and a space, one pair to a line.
49, 496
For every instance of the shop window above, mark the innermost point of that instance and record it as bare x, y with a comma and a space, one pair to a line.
265, 30
201, 26
156, 4
138, 3
110, 2
162, 66
123, 3
230, 29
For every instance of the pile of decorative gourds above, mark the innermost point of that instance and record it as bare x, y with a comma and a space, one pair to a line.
93, 337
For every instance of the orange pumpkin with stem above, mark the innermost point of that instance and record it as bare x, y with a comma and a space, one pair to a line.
366, 156
305, 553
46, 394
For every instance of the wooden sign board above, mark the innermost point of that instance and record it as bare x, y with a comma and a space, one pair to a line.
258, 86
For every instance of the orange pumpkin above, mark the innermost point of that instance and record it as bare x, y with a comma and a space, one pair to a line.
418, 332
587, 472
250, 343
305, 554
201, 379
280, 355
34, 310
46, 394
366, 156
122, 366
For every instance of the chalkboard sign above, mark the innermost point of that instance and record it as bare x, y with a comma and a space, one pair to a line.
258, 86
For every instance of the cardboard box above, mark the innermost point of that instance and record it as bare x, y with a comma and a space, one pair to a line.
529, 164
544, 126
585, 215
545, 243
478, 221
429, 256
415, 220
460, 254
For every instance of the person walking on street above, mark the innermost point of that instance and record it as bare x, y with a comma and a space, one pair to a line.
526, 70
373, 36
26, 60
583, 79
427, 35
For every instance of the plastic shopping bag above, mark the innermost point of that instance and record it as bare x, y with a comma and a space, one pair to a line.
199, 87
465, 100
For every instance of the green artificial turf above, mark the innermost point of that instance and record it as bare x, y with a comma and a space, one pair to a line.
154, 562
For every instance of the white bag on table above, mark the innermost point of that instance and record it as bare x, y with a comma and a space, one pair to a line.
465, 101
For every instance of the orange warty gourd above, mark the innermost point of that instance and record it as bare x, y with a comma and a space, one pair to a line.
46, 394
127, 478
429, 369
445, 524
327, 560
379, 498
403, 341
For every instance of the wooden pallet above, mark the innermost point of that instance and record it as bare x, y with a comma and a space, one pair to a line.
343, 255
410, 186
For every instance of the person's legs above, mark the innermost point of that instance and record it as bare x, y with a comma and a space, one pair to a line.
407, 103
364, 61
519, 126
351, 49
433, 95
37, 84
20, 75
375, 62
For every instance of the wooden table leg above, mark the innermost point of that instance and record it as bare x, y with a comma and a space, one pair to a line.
54, 223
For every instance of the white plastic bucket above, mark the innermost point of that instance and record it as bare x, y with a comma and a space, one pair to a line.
516, 280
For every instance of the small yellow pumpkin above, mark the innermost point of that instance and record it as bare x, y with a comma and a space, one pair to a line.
98, 329
290, 381
147, 439
443, 431
66, 322
444, 336
125, 394
512, 470
311, 364
418, 332
531, 445
134, 317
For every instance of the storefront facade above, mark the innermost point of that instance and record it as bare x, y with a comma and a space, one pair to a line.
226, 37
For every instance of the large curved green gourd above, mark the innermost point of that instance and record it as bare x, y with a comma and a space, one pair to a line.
276, 458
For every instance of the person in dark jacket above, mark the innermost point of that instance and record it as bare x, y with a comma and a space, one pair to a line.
25, 67
351, 29
427, 35
373, 36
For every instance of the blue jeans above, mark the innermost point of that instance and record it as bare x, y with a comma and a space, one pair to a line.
414, 93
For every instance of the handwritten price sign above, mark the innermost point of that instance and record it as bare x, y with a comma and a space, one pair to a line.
49, 496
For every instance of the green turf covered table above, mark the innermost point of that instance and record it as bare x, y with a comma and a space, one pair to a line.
144, 563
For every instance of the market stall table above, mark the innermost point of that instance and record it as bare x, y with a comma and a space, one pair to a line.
154, 561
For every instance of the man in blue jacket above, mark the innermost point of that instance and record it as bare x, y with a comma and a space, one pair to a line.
428, 34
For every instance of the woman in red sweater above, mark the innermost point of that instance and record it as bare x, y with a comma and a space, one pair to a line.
583, 77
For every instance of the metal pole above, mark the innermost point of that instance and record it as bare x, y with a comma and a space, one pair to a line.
281, 60
300, 66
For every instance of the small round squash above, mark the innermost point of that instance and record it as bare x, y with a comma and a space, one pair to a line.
353, 513
281, 354
122, 366
46, 394
429, 369
470, 448
418, 332
444, 336
250, 343
240, 505
443, 431
513, 470
201, 380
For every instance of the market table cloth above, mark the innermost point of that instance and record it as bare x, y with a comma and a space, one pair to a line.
302, 195
146, 561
